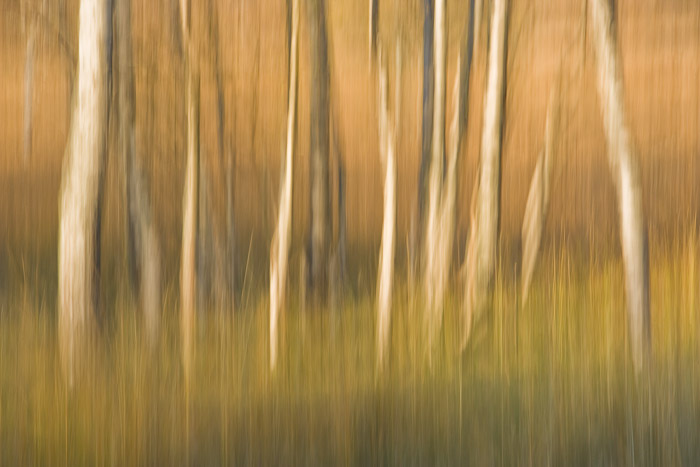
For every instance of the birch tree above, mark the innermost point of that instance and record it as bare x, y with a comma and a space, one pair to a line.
188, 279
388, 132
624, 167
281, 240
483, 243
142, 241
82, 175
538, 197
439, 230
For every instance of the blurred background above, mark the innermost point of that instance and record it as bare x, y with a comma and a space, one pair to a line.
327, 405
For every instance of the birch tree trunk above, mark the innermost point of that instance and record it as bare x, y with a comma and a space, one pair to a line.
320, 217
78, 244
142, 241
439, 237
188, 280
538, 197
435, 177
625, 169
479, 288
388, 129
281, 240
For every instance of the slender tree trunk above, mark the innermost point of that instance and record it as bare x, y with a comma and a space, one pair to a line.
435, 180
479, 289
78, 248
142, 240
188, 279
319, 145
625, 169
439, 236
373, 26
223, 252
388, 130
281, 240
418, 228
538, 197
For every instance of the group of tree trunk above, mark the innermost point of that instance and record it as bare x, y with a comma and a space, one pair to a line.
435, 219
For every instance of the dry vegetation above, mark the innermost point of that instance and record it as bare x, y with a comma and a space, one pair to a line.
548, 383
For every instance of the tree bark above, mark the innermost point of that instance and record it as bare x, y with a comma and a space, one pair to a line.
625, 169
388, 130
479, 288
320, 217
281, 240
538, 197
418, 228
83, 166
188, 279
142, 240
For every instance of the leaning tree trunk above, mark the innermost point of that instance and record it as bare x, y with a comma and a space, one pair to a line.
388, 131
625, 169
320, 218
142, 241
538, 197
482, 251
188, 280
281, 240
78, 244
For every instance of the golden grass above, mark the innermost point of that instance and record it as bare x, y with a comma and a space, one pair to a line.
549, 383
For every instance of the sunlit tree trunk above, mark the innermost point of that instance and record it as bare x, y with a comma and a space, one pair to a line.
388, 131
439, 230
480, 279
143, 246
78, 244
538, 197
625, 169
320, 219
188, 279
281, 240
435, 174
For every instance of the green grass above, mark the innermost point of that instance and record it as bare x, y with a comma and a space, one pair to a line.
547, 383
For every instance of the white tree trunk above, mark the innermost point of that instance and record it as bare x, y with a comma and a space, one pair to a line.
82, 169
281, 240
435, 175
387, 148
188, 280
625, 169
538, 197
441, 215
480, 281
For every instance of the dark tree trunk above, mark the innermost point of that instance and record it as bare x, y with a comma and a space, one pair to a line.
427, 126
319, 240
143, 248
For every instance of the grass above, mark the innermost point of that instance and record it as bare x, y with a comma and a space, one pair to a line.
547, 383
